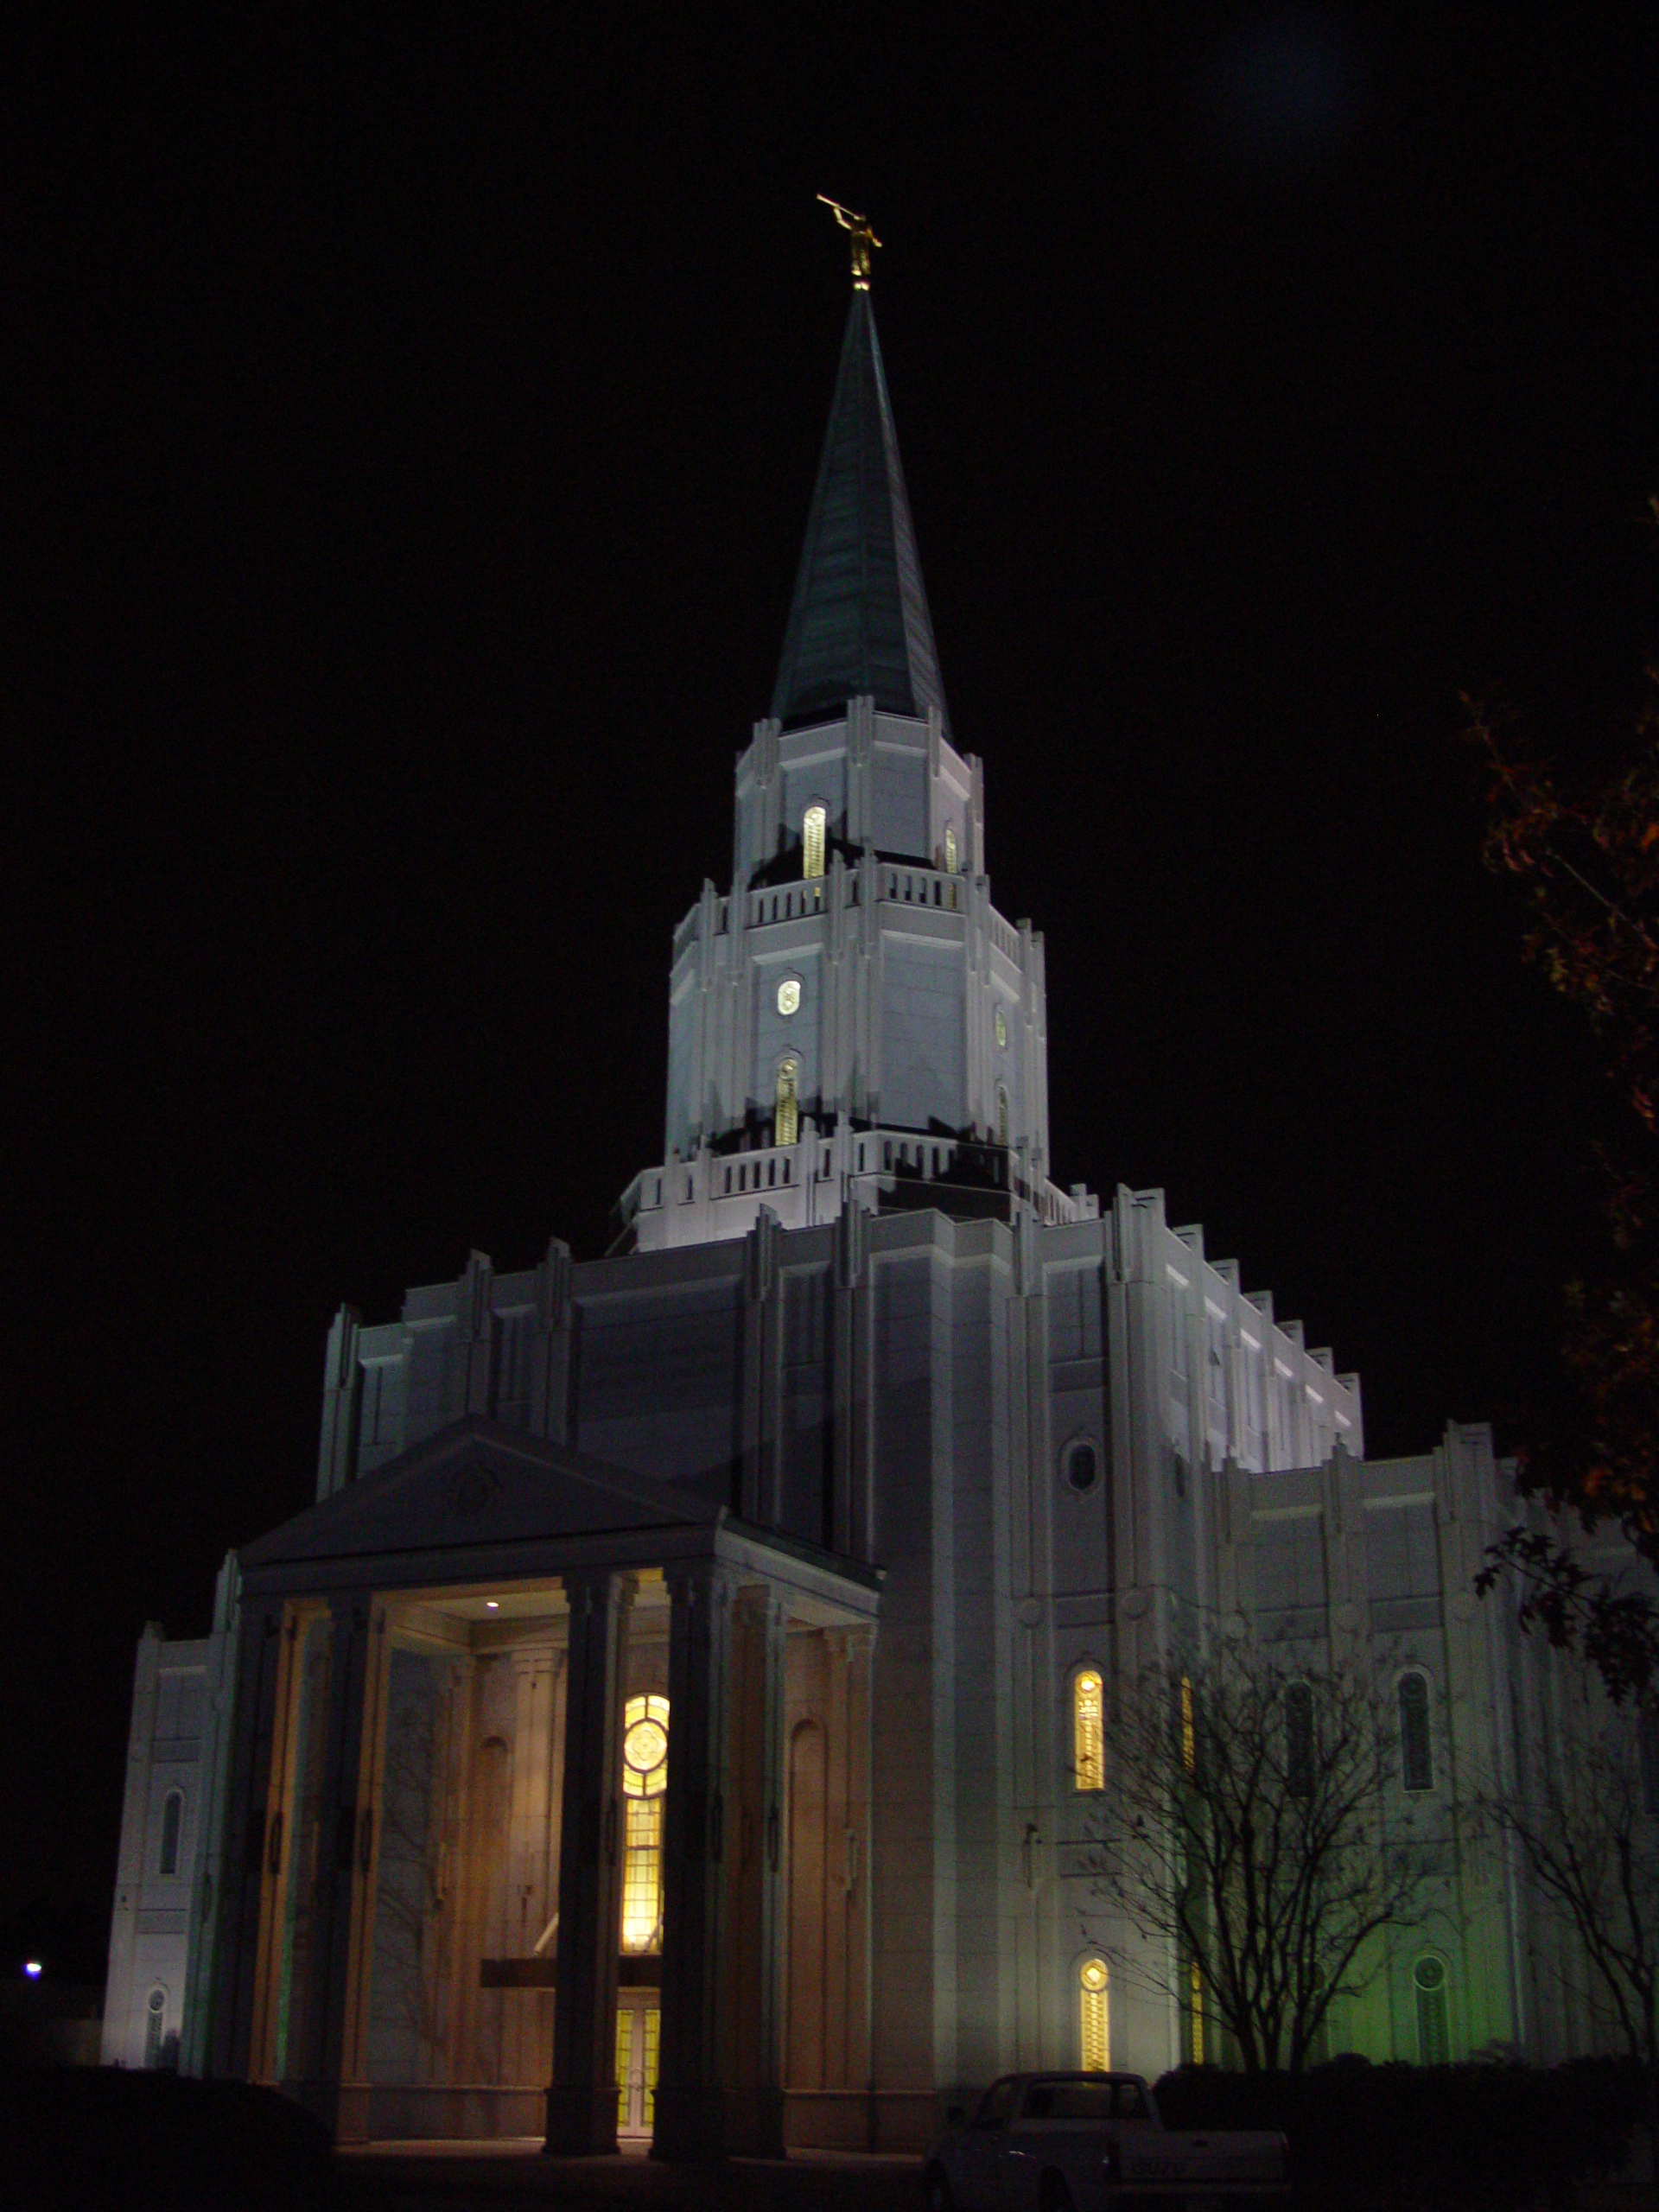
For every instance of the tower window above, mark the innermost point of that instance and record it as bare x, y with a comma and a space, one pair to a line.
1195, 2012
1417, 1751
172, 1821
1189, 1734
1434, 2027
1001, 1031
154, 2027
1299, 1740
1094, 2026
1003, 1113
1088, 1731
1647, 1746
1082, 1464
786, 1119
949, 849
814, 823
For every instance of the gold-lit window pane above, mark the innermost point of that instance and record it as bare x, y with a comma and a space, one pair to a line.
642, 1876
786, 1121
1195, 1981
624, 2053
651, 2040
1094, 2036
813, 826
949, 850
1088, 1743
1189, 1728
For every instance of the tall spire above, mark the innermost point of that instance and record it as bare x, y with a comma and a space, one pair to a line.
859, 623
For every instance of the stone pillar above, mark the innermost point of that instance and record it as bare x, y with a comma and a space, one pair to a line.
754, 1952
339, 1893
690, 2095
232, 2035
582, 2100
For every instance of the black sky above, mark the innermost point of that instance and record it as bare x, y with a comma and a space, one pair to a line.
404, 483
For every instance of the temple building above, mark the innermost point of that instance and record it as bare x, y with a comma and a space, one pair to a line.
677, 1716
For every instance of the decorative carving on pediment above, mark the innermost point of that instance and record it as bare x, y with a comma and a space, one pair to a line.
473, 1490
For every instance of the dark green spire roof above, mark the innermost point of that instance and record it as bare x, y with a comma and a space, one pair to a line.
859, 622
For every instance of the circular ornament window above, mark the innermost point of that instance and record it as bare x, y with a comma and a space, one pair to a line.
1081, 1467
789, 995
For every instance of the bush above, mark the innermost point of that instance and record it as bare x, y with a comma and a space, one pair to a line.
96, 2136
1477, 2138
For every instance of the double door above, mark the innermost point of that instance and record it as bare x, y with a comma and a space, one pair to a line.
638, 2029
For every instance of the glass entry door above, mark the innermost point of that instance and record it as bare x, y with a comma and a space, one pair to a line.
639, 2026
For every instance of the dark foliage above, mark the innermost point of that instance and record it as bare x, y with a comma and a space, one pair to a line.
72, 2139
1383, 2138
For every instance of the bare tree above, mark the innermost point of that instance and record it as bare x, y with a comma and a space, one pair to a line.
1252, 1828
1582, 1826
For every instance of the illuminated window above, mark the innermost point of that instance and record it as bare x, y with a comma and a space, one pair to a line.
1417, 1751
814, 823
949, 850
1001, 1031
1189, 1729
789, 995
1299, 1740
1003, 1113
172, 1821
624, 2055
1433, 2035
1195, 2012
644, 1777
1094, 2039
786, 1120
1088, 1723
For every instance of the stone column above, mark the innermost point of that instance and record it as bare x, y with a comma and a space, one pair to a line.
339, 1891
581, 2098
756, 1943
251, 1849
690, 2094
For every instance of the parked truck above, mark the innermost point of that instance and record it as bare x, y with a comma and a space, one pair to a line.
1094, 2143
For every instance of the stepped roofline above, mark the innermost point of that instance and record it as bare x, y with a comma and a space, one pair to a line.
859, 624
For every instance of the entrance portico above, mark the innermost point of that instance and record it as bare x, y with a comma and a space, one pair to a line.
435, 1915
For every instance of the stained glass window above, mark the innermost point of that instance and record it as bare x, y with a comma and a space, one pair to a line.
813, 825
1094, 2039
1087, 1747
644, 1777
786, 1120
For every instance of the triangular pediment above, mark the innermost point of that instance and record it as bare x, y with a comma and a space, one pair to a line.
478, 1484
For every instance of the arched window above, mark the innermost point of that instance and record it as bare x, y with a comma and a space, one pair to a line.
1094, 2022
1416, 1750
1088, 1731
1299, 1739
814, 823
644, 1777
172, 1821
786, 1118
154, 2027
949, 849
1433, 2028
1082, 1464
1003, 1113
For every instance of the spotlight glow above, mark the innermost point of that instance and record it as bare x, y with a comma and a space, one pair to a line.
33, 1968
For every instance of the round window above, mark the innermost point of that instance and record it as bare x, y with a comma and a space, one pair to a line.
789, 995
1081, 1467
1092, 1975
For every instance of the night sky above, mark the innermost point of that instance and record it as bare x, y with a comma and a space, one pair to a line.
403, 489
